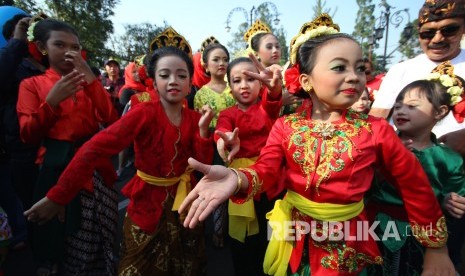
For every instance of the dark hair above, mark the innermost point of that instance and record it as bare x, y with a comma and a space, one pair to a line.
433, 90
235, 62
308, 51
211, 47
10, 25
257, 39
169, 51
44, 27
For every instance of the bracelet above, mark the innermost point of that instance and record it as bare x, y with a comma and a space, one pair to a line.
239, 181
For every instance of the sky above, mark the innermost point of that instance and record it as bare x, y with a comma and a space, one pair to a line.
199, 19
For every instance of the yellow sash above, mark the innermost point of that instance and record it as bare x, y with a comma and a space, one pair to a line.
184, 186
242, 217
279, 249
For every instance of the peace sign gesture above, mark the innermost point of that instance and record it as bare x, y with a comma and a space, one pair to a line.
270, 76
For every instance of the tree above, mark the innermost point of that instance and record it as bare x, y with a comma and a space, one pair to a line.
135, 41
319, 8
262, 12
29, 6
92, 21
365, 25
409, 43
7, 3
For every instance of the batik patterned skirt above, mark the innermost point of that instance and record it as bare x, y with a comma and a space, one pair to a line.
171, 250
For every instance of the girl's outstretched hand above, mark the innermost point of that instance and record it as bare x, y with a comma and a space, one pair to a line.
44, 210
437, 262
228, 144
271, 76
218, 184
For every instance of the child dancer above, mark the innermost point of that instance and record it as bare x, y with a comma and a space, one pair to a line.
165, 134
60, 110
329, 153
363, 103
242, 130
419, 106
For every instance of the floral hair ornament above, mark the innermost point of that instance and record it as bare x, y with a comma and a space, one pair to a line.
444, 73
32, 24
434, 10
169, 37
322, 25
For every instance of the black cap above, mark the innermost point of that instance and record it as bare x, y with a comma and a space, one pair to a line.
111, 60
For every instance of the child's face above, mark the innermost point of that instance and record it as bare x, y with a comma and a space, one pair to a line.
58, 44
172, 79
414, 114
338, 78
244, 88
363, 103
269, 50
217, 62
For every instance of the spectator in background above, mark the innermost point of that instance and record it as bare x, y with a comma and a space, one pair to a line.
113, 81
373, 82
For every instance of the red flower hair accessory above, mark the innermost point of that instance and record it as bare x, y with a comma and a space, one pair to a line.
291, 79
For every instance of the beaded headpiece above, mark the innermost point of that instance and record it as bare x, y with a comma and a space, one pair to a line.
444, 73
207, 41
434, 10
322, 25
256, 28
169, 37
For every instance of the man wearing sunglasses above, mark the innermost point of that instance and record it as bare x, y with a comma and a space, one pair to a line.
441, 27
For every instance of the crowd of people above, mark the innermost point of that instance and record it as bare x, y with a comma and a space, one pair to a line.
319, 167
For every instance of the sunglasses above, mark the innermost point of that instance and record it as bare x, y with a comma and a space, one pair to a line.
446, 31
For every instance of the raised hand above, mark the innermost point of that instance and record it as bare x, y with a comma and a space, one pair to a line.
271, 76
218, 184
66, 87
44, 210
21, 27
80, 65
204, 122
228, 145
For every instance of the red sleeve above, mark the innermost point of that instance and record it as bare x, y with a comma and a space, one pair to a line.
104, 144
225, 122
35, 118
272, 106
203, 149
404, 171
262, 175
100, 98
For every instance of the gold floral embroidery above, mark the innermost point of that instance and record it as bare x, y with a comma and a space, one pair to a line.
434, 237
130, 271
143, 97
256, 183
340, 256
319, 146
138, 235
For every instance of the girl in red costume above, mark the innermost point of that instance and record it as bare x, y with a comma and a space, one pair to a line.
60, 110
329, 154
165, 134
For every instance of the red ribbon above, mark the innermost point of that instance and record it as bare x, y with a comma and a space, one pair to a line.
291, 78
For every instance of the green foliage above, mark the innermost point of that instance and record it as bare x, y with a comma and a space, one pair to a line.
409, 43
29, 6
364, 24
319, 8
135, 41
91, 18
7, 3
262, 12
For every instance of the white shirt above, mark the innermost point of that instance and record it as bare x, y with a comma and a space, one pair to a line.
411, 70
